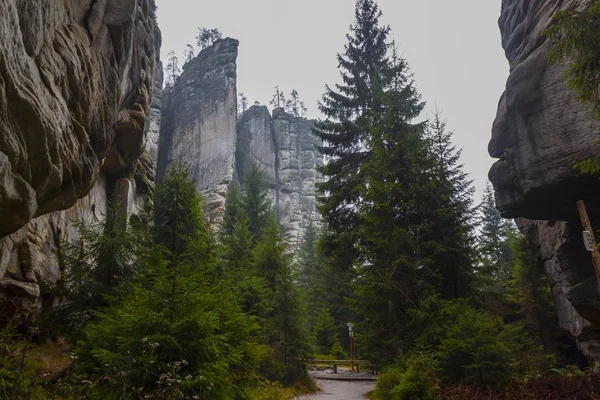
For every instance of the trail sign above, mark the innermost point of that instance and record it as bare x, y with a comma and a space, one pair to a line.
588, 241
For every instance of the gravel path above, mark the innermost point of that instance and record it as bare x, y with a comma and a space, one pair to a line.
340, 390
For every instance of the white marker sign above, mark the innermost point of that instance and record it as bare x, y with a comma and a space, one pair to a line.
588, 241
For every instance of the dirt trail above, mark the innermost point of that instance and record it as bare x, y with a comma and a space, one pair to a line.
340, 390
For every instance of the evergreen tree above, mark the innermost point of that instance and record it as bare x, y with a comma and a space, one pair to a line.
256, 202
284, 324
179, 331
396, 235
493, 246
294, 105
345, 133
452, 199
278, 100
189, 53
529, 289
243, 103
97, 269
207, 37
172, 69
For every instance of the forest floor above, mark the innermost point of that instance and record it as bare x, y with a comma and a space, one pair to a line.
340, 390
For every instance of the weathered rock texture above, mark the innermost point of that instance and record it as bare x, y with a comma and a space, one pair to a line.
76, 83
541, 131
199, 122
284, 148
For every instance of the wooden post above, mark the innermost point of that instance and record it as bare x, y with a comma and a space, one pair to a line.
587, 225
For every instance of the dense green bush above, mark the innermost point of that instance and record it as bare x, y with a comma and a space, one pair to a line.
418, 381
478, 349
387, 382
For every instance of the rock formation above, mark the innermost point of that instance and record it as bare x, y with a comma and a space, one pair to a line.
76, 87
199, 127
284, 148
541, 131
199, 122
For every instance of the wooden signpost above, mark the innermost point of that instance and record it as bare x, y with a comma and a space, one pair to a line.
587, 225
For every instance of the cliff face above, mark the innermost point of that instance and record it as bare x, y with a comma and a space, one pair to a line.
199, 127
284, 148
76, 83
199, 123
540, 132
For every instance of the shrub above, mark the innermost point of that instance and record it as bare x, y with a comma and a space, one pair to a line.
387, 382
418, 381
337, 351
478, 349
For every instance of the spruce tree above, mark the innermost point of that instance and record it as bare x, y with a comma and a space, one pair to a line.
284, 325
495, 257
452, 199
348, 107
179, 332
256, 202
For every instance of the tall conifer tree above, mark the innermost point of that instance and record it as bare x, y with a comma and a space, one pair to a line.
345, 133
455, 213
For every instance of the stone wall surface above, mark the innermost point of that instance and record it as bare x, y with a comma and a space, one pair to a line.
200, 126
199, 123
541, 131
285, 149
76, 86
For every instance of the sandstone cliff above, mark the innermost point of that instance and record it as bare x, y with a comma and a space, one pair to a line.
284, 148
76, 86
199, 122
540, 132
199, 127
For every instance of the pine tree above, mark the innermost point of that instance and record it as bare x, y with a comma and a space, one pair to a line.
189, 53
493, 246
97, 269
256, 202
207, 37
172, 69
294, 105
345, 133
278, 100
178, 319
243, 103
284, 324
452, 199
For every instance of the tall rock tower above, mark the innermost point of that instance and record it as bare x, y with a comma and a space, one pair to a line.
200, 126
199, 123
285, 149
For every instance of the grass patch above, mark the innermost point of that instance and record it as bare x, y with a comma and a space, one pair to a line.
275, 391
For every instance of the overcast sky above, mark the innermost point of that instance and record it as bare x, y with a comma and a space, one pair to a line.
453, 48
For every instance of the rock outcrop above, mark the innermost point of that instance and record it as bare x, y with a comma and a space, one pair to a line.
284, 148
199, 122
541, 131
76, 87
199, 127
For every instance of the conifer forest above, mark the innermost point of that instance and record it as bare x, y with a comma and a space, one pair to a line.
162, 236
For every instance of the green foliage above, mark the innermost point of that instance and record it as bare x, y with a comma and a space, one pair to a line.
284, 326
337, 351
575, 37
256, 203
345, 133
495, 257
178, 332
97, 269
478, 349
387, 382
325, 332
418, 381
574, 34
454, 213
